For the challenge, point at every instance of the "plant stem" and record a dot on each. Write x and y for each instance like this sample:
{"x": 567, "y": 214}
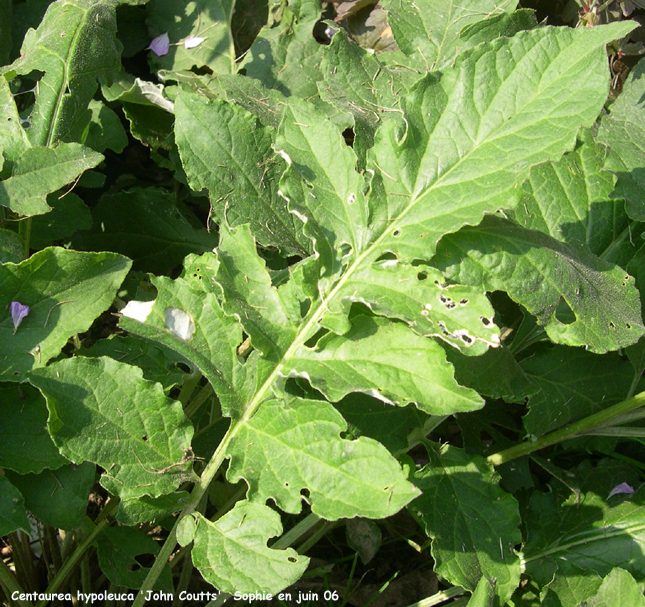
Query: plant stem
{"x": 24, "y": 231}
{"x": 316, "y": 535}
{"x": 74, "y": 558}
{"x": 297, "y": 532}
{"x": 161, "y": 560}
{"x": 10, "y": 584}
{"x": 200, "y": 398}
{"x": 190, "y": 383}
{"x": 571, "y": 431}
{"x": 439, "y": 597}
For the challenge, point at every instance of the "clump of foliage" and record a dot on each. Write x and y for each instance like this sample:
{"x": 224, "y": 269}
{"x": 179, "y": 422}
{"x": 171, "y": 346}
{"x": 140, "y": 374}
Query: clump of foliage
{"x": 389, "y": 266}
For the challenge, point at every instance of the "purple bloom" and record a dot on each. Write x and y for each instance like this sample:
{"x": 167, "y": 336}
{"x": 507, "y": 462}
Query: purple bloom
{"x": 160, "y": 45}
{"x": 18, "y": 312}
{"x": 622, "y": 488}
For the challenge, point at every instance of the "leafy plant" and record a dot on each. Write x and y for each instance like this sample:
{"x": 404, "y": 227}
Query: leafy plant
{"x": 348, "y": 253}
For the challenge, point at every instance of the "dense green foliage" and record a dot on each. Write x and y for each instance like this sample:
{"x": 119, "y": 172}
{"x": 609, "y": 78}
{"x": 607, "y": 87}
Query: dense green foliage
{"x": 354, "y": 275}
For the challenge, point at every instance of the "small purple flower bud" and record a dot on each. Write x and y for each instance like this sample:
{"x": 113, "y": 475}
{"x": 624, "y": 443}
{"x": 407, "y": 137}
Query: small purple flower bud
{"x": 622, "y": 488}
{"x": 18, "y": 312}
{"x": 160, "y": 45}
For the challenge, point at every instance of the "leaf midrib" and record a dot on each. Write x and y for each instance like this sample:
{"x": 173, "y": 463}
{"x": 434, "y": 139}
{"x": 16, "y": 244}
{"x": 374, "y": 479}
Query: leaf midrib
{"x": 601, "y": 534}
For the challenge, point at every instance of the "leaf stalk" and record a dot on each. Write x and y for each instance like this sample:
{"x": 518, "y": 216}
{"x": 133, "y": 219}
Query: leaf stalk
{"x": 573, "y": 430}
{"x": 10, "y": 584}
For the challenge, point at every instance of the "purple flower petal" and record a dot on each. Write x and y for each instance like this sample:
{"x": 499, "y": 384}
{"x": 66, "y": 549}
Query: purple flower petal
{"x": 18, "y": 312}
{"x": 160, "y": 45}
{"x": 622, "y": 488}
{"x": 193, "y": 42}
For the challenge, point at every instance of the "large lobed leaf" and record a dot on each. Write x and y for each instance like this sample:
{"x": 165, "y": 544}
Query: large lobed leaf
{"x": 599, "y": 304}
{"x": 474, "y": 525}
{"x": 571, "y": 200}
{"x": 298, "y": 440}
{"x": 573, "y": 383}
{"x": 25, "y": 444}
{"x": 472, "y": 133}
{"x": 232, "y": 553}
{"x": 245, "y": 185}
{"x": 104, "y": 412}
{"x": 431, "y": 28}
{"x": 74, "y": 45}
{"x": 623, "y": 131}
{"x": 591, "y": 531}
{"x": 39, "y": 171}
{"x": 65, "y": 291}
{"x": 207, "y": 19}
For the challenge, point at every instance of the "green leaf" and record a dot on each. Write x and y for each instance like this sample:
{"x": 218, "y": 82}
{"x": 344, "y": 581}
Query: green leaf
{"x": 342, "y": 478}
{"x": 499, "y": 24}
{"x": 321, "y": 179}
{"x": 264, "y": 103}
{"x": 363, "y": 536}
{"x": 245, "y": 185}
{"x": 285, "y": 55}
{"x": 11, "y": 247}
{"x": 74, "y": 45}
{"x": 68, "y": 215}
{"x": 542, "y": 273}
{"x": 150, "y": 125}
{"x": 623, "y": 131}
{"x": 105, "y": 130}
{"x": 591, "y": 531}
{"x": 431, "y": 27}
{"x": 25, "y": 444}
{"x": 339, "y": 364}
{"x": 573, "y": 384}
{"x": 468, "y": 140}
{"x": 232, "y": 554}
{"x": 495, "y": 374}
{"x": 105, "y": 412}
{"x": 128, "y": 89}
{"x": 202, "y": 18}
{"x": 357, "y": 82}
{"x": 385, "y": 360}
{"x": 269, "y": 319}
{"x": 474, "y": 525}
{"x": 117, "y": 552}
{"x": 212, "y": 348}
{"x": 570, "y": 587}
{"x": 40, "y": 171}
{"x": 617, "y": 589}
{"x": 146, "y": 225}
{"x": 57, "y": 497}
{"x": 571, "y": 200}
{"x": 158, "y": 363}
{"x": 12, "y": 509}
{"x": 13, "y": 138}
{"x": 418, "y": 295}
{"x": 390, "y": 426}
{"x": 65, "y": 292}
{"x": 150, "y": 509}
{"x": 484, "y": 594}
